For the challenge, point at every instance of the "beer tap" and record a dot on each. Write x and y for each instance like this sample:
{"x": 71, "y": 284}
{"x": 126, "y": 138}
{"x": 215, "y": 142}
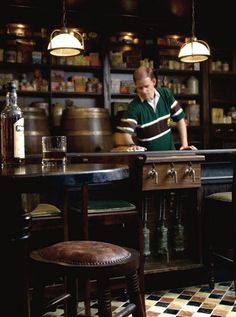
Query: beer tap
{"x": 162, "y": 230}
{"x": 190, "y": 171}
{"x": 178, "y": 237}
{"x": 146, "y": 231}
{"x": 171, "y": 172}
{"x": 152, "y": 173}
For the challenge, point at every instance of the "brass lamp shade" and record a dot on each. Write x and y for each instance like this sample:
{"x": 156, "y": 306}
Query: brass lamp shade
{"x": 194, "y": 51}
{"x": 65, "y": 43}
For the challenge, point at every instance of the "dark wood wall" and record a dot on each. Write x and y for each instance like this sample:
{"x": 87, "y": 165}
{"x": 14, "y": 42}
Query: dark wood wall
{"x": 214, "y": 19}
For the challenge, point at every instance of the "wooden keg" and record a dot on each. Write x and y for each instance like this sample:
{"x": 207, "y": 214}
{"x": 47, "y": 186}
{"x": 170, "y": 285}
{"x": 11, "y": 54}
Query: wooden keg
{"x": 36, "y": 126}
{"x": 87, "y": 129}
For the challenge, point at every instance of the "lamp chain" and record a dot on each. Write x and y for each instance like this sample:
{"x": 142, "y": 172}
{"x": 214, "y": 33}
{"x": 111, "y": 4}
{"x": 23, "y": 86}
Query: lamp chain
{"x": 193, "y": 19}
{"x": 64, "y": 13}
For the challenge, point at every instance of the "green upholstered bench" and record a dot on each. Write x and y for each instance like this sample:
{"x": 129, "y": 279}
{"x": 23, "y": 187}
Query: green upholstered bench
{"x": 105, "y": 206}
{"x": 44, "y": 210}
{"x": 224, "y": 197}
{"x": 46, "y": 217}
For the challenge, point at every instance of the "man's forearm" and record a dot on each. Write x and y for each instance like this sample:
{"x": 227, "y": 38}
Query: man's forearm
{"x": 181, "y": 125}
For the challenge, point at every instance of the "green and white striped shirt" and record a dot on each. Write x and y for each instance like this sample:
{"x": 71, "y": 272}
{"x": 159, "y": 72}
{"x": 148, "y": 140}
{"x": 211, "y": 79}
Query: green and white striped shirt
{"x": 151, "y": 127}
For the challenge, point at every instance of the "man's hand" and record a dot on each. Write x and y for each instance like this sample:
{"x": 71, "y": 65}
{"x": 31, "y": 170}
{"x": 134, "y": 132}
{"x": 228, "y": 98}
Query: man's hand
{"x": 135, "y": 148}
{"x": 189, "y": 147}
{"x": 128, "y": 148}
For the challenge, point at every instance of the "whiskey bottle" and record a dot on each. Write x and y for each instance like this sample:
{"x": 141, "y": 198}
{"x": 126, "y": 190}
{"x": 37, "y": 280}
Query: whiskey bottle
{"x": 12, "y": 129}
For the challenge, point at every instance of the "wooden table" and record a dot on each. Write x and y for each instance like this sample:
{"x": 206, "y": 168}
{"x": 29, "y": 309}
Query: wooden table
{"x": 16, "y": 222}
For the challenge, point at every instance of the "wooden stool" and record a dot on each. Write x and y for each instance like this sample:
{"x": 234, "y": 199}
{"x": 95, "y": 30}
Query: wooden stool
{"x": 88, "y": 260}
{"x": 219, "y": 231}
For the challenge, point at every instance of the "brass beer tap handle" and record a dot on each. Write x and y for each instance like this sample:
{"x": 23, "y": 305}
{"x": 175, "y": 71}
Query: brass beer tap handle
{"x": 171, "y": 172}
{"x": 190, "y": 171}
{"x": 152, "y": 173}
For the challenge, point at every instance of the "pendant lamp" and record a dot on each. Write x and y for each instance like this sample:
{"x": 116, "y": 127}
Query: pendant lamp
{"x": 194, "y": 50}
{"x": 64, "y": 42}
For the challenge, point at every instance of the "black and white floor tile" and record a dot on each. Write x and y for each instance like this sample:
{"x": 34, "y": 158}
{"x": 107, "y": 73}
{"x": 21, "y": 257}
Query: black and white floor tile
{"x": 193, "y": 301}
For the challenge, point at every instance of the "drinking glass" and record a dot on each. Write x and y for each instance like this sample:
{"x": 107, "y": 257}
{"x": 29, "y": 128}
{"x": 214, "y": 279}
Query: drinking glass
{"x": 54, "y": 150}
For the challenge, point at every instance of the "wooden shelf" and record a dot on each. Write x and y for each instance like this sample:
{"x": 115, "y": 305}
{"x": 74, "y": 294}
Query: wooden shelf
{"x": 77, "y": 68}
{"x": 66, "y": 94}
{"x": 154, "y": 266}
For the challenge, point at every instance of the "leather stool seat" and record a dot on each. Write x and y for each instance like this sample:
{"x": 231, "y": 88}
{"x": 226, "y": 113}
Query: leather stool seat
{"x": 86, "y": 260}
{"x": 83, "y": 254}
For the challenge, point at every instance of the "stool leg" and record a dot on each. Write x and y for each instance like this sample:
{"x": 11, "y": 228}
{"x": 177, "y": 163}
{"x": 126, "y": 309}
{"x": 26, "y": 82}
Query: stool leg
{"x": 72, "y": 289}
{"x": 135, "y": 295}
{"x": 37, "y": 300}
{"x": 87, "y": 301}
{"x": 104, "y": 298}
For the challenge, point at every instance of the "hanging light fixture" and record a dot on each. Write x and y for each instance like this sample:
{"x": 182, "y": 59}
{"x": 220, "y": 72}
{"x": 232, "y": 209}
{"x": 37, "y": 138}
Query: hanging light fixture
{"x": 64, "y": 42}
{"x": 194, "y": 50}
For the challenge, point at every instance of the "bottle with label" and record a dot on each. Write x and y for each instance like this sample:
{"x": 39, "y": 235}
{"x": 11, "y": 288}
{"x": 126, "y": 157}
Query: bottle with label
{"x": 12, "y": 129}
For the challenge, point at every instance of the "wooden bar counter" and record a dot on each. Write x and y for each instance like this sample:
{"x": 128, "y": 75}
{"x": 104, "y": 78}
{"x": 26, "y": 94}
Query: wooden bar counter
{"x": 181, "y": 179}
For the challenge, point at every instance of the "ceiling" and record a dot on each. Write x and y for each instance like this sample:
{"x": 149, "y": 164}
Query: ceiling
{"x": 214, "y": 20}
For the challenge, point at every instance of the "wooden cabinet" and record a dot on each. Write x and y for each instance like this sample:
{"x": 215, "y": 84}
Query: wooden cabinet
{"x": 103, "y": 77}
{"x": 172, "y": 213}
{"x": 47, "y": 79}
{"x": 222, "y": 98}
{"x": 23, "y": 58}
{"x": 126, "y": 52}
{"x": 186, "y": 82}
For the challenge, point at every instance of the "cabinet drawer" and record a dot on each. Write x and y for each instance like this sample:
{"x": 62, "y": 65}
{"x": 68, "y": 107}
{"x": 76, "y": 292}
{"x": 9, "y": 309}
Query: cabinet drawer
{"x": 224, "y": 130}
{"x": 171, "y": 175}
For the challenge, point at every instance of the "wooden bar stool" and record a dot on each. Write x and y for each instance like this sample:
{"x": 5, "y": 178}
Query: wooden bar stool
{"x": 87, "y": 260}
{"x": 113, "y": 205}
{"x": 220, "y": 231}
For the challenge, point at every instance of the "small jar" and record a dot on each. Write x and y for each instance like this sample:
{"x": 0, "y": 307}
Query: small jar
{"x": 225, "y": 67}
{"x": 218, "y": 66}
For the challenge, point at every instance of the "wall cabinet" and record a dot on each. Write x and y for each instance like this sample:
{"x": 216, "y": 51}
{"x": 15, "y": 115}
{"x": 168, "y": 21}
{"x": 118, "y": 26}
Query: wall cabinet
{"x": 222, "y": 98}
{"x": 55, "y": 82}
{"x": 102, "y": 77}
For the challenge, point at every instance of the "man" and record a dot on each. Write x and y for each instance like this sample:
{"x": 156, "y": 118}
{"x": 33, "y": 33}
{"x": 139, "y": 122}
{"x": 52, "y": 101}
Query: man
{"x": 148, "y": 117}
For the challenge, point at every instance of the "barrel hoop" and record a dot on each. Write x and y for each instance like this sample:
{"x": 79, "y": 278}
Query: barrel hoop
{"x": 87, "y": 116}
{"x": 87, "y": 132}
{"x": 34, "y": 117}
{"x": 35, "y": 133}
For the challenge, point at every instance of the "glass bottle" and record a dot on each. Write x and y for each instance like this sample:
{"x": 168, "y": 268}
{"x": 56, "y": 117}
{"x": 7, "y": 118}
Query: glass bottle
{"x": 12, "y": 129}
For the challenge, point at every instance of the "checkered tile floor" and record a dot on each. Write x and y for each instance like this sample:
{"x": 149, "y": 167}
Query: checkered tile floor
{"x": 194, "y": 301}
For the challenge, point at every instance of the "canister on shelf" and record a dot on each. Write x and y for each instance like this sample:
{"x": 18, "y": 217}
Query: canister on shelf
{"x": 18, "y": 29}
{"x": 10, "y": 56}
{"x": 225, "y": 67}
{"x": 232, "y": 112}
{"x": 192, "y": 113}
{"x": 1, "y": 54}
{"x": 193, "y": 85}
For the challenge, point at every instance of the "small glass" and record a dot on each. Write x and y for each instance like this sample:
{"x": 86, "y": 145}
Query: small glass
{"x": 54, "y": 150}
